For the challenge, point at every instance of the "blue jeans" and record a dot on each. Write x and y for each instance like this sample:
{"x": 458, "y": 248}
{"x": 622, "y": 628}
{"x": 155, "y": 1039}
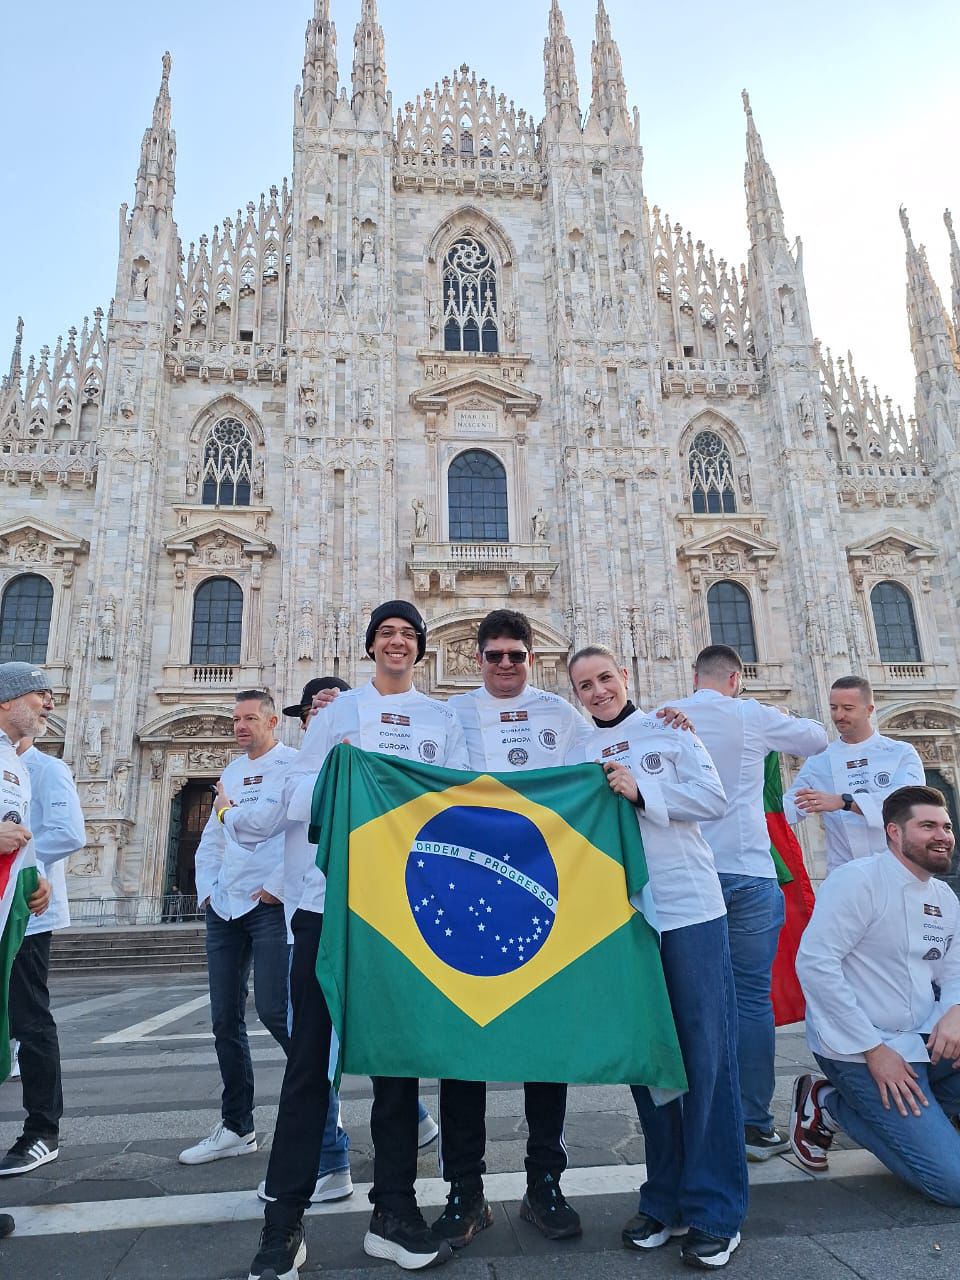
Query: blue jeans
{"x": 923, "y": 1150}
{"x": 258, "y": 938}
{"x": 335, "y": 1157}
{"x": 755, "y": 914}
{"x": 696, "y": 1164}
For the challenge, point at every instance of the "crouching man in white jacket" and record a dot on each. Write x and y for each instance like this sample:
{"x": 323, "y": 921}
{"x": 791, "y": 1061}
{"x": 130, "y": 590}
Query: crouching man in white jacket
{"x": 882, "y": 981}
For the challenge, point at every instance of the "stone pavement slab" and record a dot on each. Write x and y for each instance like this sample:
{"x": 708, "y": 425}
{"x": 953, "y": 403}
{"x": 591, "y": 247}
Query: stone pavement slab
{"x": 117, "y": 1205}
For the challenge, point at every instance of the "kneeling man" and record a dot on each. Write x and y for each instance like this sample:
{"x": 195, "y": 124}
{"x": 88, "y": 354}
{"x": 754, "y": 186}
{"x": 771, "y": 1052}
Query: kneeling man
{"x": 882, "y": 980}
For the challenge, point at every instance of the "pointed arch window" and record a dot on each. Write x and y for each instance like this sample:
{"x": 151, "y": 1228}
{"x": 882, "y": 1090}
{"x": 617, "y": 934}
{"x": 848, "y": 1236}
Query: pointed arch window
{"x": 227, "y": 461}
{"x": 711, "y": 475}
{"x": 896, "y": 626}
{"x": 477, "y": 497}
{"x": 25, "y": 619}
{"x": 731, "y": 619}
{"x": 217, "y": 622}
{"x": 470, "y": 318}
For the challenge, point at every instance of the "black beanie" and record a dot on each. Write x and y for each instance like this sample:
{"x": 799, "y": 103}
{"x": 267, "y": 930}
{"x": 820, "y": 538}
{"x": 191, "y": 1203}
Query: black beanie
{"x": 397, "y": 609}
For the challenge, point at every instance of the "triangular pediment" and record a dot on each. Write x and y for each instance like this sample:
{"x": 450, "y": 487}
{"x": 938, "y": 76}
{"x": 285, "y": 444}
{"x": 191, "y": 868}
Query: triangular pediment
{"x": 493, "y": 391}
{"x": 893, "y": 541}
{"x": 730, "y": 541}
{"x": 15, "y": 531}
{"x": 196, "y": 537}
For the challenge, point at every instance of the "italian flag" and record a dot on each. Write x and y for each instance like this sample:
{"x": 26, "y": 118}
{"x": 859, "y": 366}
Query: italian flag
{"x": 788, "y": 1001}
{"x": 18, "y": 883}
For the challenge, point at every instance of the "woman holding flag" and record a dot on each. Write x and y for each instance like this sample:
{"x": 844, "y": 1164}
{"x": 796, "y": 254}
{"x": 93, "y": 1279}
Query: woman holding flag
{"x": 696, "y": 1167}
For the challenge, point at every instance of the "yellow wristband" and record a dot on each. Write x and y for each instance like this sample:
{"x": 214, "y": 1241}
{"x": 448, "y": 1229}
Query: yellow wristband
{"x": 221, "y": 812}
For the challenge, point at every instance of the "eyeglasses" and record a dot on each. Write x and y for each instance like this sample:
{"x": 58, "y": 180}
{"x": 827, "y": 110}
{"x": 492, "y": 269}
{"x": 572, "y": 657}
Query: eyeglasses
{"x": 48, "y": 698}
{"x": 496, "y": 656}
{"x": 387, "y": 633}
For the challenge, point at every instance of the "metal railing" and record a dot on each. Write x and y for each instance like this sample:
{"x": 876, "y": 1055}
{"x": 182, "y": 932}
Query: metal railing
{"x": 167, "y": 908}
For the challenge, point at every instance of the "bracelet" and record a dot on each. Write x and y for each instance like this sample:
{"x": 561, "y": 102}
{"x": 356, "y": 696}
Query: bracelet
{"x": 221, "y": 812}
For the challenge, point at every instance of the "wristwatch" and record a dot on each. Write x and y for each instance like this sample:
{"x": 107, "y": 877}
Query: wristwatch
{"x": 847, "y": 799}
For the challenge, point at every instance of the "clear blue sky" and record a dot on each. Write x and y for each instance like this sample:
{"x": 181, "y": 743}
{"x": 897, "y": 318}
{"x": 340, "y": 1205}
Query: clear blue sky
{"x": 857, "y": 104}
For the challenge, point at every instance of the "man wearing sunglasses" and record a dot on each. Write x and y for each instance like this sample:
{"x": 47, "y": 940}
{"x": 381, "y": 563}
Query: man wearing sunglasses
{"x": 508, "y": 724}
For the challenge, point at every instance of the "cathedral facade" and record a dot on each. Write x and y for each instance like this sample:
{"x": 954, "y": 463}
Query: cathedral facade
{"x": 458, "y": 358}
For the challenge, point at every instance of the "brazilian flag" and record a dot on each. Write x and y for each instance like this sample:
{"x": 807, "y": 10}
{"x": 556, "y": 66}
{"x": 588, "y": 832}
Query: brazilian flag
{"x": 482, "y": 926}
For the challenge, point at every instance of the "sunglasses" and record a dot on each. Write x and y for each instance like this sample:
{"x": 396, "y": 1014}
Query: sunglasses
{"x": 496, "y": 656}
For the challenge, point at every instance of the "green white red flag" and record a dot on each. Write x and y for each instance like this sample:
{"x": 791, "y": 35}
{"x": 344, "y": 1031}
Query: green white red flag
{"x": 798, "y": 897}
{"x": 18, "y": 883}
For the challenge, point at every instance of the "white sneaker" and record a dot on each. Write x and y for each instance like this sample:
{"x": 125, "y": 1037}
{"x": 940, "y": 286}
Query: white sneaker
{"x": 222, "y": 1142}
{"x": 427, "y": 1130}
{"x": 330, "y": 1186}
{"x": 14, "y": 1059}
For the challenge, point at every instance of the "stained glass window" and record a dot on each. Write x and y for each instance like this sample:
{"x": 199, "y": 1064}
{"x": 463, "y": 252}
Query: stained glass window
{"x": 731, "y": 619}
{"x": 477, "y": 495}
{"x": 217, "y": 620}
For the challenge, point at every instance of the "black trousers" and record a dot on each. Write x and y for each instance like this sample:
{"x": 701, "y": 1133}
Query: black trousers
{"x": 393, "y": 1127}
{"x": 305, "y": 1093}
{"x": 463, "y": 1130}
{"x": 31, "y": 1022}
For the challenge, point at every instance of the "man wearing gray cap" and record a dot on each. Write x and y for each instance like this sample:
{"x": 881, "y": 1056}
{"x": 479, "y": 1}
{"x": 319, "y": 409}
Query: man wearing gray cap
{"x": 25, "y": 701}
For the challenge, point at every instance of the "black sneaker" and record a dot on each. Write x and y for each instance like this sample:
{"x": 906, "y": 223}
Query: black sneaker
{"x": 702, "y": 1250}
{"x": 546, "y": 1207}
{"x": 282, "y": 1250}
{"x": 761, "y": 1144}
{"x": 28, "y": 1153}
{"x": 407, "y": 1241}
{"x": 644, "y": 1232}
{"x": 467, "y": 1212}
{"x": 7, "y": 1225}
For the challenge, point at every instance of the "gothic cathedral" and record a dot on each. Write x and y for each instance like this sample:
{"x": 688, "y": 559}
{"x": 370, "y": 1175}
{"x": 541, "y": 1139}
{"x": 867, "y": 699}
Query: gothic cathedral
{"x": 458, "y": 357}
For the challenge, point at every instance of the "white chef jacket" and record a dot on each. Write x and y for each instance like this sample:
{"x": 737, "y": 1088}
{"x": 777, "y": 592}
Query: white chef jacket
{"x": 227, "y": 872}
{"x": 56, "y": 821}
{"x": 738, "y": 733}
{"x": 534, "y": 730}
{"x": 868, "y": 771}
{"x": 878, "y": 939}
{"x": 15, "y": 795}
{"x": 406, "y": 726}
{"x": 679, "y": 785}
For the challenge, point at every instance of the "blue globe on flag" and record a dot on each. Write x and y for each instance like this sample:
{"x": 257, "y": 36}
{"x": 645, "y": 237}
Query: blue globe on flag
{"x": 482, "y": 887}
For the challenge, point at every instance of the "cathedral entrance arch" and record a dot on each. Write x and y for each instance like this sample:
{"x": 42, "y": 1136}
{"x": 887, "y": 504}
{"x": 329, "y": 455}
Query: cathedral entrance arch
{"x": 189, "y": 811}
{"x": 185, "y": 752}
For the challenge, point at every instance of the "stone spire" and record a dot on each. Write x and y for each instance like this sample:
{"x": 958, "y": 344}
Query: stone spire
{"x": 369, "y": 63}
{"x": 764, "y": 213}
{"x": 16, "y": 358}
{"x": 158, "y": 154}
{"x": 320, "y": 60}
{"x": 938, "y": 383}
{"x": 608, "y": 100}
{"x": 954, "y": 275}
{"x": 560, "y": 91}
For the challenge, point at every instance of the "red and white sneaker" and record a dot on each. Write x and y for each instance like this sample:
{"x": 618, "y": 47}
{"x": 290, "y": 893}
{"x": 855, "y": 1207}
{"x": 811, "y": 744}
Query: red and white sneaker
{"x": 810, "y": 1137}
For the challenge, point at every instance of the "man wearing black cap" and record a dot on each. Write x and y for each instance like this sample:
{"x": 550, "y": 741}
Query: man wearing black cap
{"x": 301, "y": 710}
{"x": 387, "y": 715}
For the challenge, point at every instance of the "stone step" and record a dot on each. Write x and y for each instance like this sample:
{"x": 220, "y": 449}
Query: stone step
{"x": 160, "y": 949}
{"x": 187, "y": 965}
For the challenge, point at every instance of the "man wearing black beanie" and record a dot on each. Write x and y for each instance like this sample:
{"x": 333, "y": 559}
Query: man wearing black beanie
{"x": 389, "y": 716}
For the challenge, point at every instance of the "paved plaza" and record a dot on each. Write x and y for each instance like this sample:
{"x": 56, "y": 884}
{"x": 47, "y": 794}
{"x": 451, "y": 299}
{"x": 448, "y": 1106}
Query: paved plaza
{"x": 141, "y": 1083}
